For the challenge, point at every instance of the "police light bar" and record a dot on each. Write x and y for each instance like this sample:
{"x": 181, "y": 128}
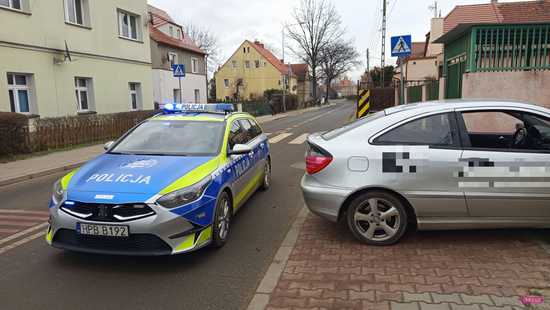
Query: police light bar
{"x": 197, "y": 107}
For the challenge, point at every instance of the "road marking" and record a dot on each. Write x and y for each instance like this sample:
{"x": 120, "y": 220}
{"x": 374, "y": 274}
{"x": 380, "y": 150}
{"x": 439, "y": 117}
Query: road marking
{"x": 22, "y": 241}
{"x": 8, "y": 231}
{"x": 23, "y": 218}
{"x": 23, "y": 224}
{"x": 46, "y": 213}
{"x": 301, "y": 139}
{"x": 280, "y": 137}
{"x": 23, "y": 232}
{"x": 267, "y": 133}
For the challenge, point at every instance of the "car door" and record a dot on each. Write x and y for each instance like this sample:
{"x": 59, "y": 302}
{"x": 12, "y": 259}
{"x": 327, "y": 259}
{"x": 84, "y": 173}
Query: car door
{"x": 237, "y": 135}
{"x": 503, "y": 177}
{"x": 420, "y": 159}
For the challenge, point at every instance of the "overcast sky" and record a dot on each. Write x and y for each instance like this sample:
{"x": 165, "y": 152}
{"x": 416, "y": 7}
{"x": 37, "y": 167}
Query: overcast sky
{"x": 233, "y": 21}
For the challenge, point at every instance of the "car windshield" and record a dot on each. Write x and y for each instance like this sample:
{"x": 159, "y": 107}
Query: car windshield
{"x": 173, "y": 137}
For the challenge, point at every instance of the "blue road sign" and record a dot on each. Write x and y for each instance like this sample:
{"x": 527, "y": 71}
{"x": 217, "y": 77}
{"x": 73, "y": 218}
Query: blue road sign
{"x": 401, "y": 46}
{"x": 178, "y": 70}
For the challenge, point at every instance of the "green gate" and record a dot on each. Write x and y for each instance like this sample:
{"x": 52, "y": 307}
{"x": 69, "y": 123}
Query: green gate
{"x": 414, "y": 94}
{"x": 455, "y": 70}
{"x": 433, "y": 90}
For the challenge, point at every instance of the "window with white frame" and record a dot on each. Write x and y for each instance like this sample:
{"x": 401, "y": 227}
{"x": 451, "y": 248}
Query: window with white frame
{"x": 179, "y": 34}
{"x": 135, "y": 96}
{"x": 83, "y": 94}
{"x": 234, "y": 64}
{"x": 77, "y": 12}
{"x": 129, "y": 25}
{"x": 194, "y": 65}
{"x": 171, "y": 30}
{"x": 12, "y": 4}
{"x": 226, "y": 83}
{"x": 19, "y": 92}
{"x": 247, "y": 64}
{"x": 173, "y": 59}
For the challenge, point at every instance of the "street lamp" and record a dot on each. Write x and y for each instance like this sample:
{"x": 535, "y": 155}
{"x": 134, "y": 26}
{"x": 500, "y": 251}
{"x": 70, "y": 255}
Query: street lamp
{"x": 290, "y": 68}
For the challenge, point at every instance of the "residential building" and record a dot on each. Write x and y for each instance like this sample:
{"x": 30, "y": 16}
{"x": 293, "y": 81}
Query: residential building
{"x": 304, "y": 87}
{"x": 498, "y": 50}
{"x": 68, "y": 57}
{"x": 253, "y": 69}
{"x": 422, "y": 69}
{"x": 171, "y": 45}
{"x": 345, "y": 87}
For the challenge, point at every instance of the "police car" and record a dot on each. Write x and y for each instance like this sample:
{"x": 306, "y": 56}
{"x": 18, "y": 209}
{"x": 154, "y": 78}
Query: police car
{"x": 169, "y": 185}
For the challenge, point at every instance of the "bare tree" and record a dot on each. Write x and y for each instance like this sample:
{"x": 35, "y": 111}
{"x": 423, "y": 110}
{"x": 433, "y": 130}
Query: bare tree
{"x": 206, "y": 41}
{"x": 336, "y": 59}
{"x": 317, "y": 25}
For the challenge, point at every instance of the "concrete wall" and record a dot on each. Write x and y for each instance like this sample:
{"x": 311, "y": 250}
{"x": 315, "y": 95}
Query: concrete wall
{"x": 164, "y": 84}
{"x": 528, "y": 86}
{"x": 97, "y": 52}
{"x": 420, "y": 69}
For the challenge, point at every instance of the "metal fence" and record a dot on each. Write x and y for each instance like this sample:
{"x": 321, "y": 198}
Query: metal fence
{"x": 510, "y": 47}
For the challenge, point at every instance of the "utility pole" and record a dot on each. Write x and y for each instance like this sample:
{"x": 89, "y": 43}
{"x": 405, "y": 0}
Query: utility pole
{"x": 383, "y": 60}
{"x": 284, "y": 75}
{"x": 368, "y": 61}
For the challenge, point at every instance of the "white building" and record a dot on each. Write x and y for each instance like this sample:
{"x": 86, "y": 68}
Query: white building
{"x": 169, "y": 46}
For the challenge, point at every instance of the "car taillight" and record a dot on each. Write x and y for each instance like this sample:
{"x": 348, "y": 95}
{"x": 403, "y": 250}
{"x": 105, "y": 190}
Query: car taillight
{"x": 317, "y": 159}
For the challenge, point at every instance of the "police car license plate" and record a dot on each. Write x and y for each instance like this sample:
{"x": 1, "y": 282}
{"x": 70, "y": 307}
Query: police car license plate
{"x": 103, "y": 230}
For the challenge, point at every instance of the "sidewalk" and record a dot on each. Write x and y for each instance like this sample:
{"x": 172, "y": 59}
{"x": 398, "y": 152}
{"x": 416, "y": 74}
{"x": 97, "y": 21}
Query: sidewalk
{"x": 321, "y": 266}
{"x": 21, "y": 170}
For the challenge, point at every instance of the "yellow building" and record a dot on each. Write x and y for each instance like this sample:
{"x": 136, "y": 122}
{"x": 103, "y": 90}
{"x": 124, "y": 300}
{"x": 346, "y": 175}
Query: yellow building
{"x": 251, "y": 70}
{"x": 68, "y": 57}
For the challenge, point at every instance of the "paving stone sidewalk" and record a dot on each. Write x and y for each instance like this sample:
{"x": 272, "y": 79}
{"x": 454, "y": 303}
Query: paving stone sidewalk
{"x": 458, "y": 270}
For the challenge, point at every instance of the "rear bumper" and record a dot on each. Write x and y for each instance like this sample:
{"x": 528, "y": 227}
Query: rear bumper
{"x": 322, "y": 200}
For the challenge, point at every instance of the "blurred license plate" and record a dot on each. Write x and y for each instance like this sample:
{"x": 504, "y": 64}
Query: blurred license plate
{"x": 103, "y": 230}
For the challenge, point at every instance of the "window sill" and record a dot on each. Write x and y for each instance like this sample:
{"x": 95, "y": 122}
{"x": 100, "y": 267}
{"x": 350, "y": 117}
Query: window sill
{"x": 78, "y": 25}
{"x": 130, "y": 39}
{"x": 14, "y": 10}
{"x": 86, "y": 112}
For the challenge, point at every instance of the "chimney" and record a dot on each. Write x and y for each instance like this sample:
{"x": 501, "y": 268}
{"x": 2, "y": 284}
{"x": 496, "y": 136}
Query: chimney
{"x": 494, "y": 1}
{"x": 260, "y": 44}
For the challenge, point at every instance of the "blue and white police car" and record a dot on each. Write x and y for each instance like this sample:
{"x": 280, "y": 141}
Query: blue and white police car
{"x": 169, "y": 185}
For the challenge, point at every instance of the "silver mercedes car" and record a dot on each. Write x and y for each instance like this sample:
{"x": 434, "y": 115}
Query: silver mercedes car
{"x": 439, "y": 165}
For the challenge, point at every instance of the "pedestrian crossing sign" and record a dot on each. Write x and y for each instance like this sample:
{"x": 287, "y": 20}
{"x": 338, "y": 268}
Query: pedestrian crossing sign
{"x": 401, "y": 46}
{"x": 178, "y": 70}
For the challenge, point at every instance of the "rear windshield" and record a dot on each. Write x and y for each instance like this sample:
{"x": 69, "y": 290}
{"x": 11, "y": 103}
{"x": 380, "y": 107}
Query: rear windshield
{"x": 340, "y": 131}
{"x": 173, "y": 137}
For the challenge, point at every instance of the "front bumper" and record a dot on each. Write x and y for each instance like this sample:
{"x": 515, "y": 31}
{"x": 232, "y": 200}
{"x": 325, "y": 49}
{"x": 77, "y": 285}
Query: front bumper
{"x": 164, "y": 233}
{"x": 323, "y": 200}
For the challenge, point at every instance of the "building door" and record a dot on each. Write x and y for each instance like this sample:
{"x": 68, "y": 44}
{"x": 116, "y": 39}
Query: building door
{"x": 197, "y": 96}
{"x": 177, "y": 95}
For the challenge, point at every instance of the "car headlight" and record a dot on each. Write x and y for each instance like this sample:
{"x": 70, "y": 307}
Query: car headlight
{"x": 184, "y": 196}
{"x": 58, "y": 192}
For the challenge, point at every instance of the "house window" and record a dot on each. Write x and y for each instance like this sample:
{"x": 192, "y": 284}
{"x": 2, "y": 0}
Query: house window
{"x": 14, "y": 4}
{"x": 234, "y": 64}
{"x": 19, "y": 92}
{"x": 179, "y": 34}
{"x": 172, "y": 57}
{"x": 248, "y": 49}
{"x": 247, "y": 64}
{"x": 128, "y": 25}
{"x": 244, "y": 49}
{"x": 177, "y": 95}
{"x": 135, "y": 96}
{"x": 76, "y": 12}
{"x": 257, "y": 63}
{"x": 197, "y": 96}
{"x": 82, "y": 92}
{"x": 194, "y": 65}
{"x": 171, "y": 30}
{"x": 226, "y": 83}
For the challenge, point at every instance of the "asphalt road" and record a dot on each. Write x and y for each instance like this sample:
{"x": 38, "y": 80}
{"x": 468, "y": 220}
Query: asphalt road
{"x": 36, "y": 276}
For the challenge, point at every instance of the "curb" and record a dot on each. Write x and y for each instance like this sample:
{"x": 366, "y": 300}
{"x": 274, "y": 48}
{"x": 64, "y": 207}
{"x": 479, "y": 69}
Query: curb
{"x": 263, "y": 292}
{"x": 42, "y": 173}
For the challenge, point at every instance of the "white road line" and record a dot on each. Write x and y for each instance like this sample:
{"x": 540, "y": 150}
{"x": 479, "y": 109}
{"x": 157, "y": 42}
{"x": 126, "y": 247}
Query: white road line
{"x": 22, "y": 241}
{"x": 267, "y": 133}
{"x": 301, "y": 139}
{"x": 45, "y": 213}
{"x": 23, "y": 218}
{"x": 280, "y": 137}
{"x": 23, "y": 232}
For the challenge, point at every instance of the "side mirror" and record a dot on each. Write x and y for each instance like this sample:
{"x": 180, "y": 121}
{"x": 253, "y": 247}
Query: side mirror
{"x": 239, "y": 149}
{"x": 108, "y": 145}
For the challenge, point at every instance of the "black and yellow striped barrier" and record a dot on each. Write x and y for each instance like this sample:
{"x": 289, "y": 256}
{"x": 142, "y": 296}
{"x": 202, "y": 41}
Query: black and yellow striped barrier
{"x": 363, "y": 102}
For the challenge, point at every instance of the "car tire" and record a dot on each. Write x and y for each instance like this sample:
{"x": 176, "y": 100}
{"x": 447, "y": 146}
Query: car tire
{"x": 222, "y": 220}
{"x": 377, "y": 218}
{"x": 266, "y": 181}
